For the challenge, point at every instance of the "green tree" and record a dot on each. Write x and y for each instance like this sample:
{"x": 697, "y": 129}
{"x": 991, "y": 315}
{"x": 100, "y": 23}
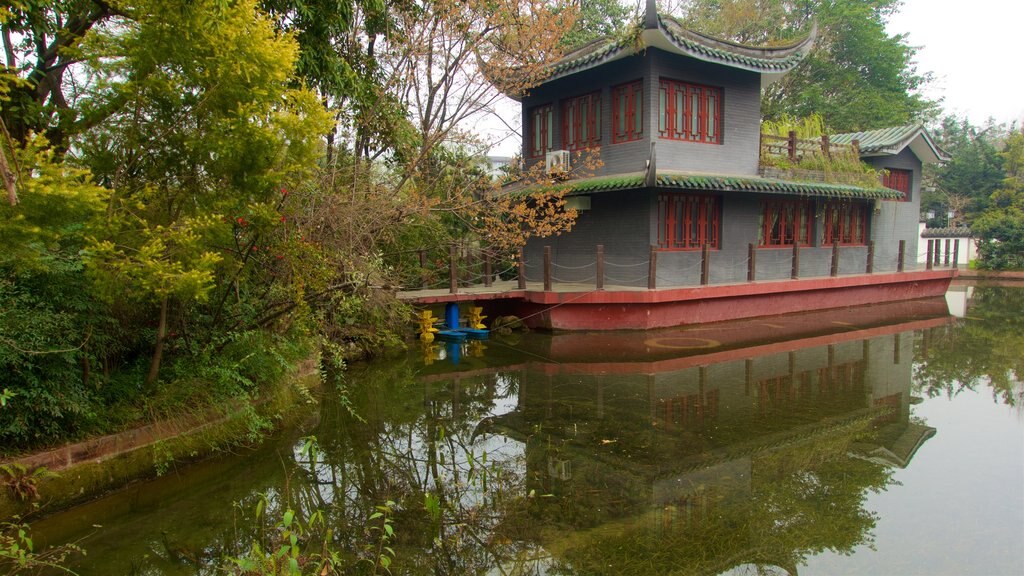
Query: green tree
{"x": 975, "y": 169}
{"x": 857, "y": 77}
{"x": 1000, "y": 229}
{"x": 42, "y": 45}
{"x": 597, "y": 19}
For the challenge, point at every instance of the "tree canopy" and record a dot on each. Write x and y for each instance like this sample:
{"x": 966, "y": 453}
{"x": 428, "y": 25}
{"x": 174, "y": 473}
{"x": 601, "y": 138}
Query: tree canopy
{"x": 199, "y": 193}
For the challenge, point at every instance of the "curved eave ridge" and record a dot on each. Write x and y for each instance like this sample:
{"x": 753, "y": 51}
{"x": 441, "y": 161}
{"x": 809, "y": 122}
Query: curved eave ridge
{"x": 675, "y": 37}
{"x": 589, "y": 55}
{"x": 782, "y": 59}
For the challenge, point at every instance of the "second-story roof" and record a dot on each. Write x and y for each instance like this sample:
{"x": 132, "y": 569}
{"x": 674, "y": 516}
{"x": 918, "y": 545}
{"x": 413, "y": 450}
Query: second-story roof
{"x": 667, "y": 33}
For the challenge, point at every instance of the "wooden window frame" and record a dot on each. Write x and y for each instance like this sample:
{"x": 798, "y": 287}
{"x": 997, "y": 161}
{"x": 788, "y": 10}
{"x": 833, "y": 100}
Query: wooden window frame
{"x": 790, "y": 230}
{"x": 631, "y": 95}
{"x": 688, "y": 221}
{"x": 899, "y": 179}
{"x": 546, "y": 140}
{"x": 845, "y": 222}
{"x": 577, "y": 135}
{"x": 676, "y": 124}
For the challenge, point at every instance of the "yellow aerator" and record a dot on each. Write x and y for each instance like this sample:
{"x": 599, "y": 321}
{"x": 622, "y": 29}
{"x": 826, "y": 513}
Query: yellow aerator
{"x": 476, "y": 318}
{"x": 425, "y": 325}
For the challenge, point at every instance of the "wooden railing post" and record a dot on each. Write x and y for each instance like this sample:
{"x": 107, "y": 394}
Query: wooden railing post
{"x": 423, "y": 267}
{"x": 487, "y": 270}
{"x": 705, "y": 265}
{"x": 856, "y": 148}
{"x": 547, "y": 268}
{"x": 938, "y": 252}
{"x": 870, "y": 266}
{"x": 751, "y": 262}
{"x": 826, "y": 146}
{"x": 453, "y": 278}
{"x": 652, "y": 269}
{"x": 599, "y": 273}
{"x": 835, "y": 260}
{"x": 792, "y": 145}
{"x": 902, "y": 257}
{"x": 945, "y": 260}
{"x": 956, "y": 253}
{"x": 796, "y": 261}
{"x": 522, "y": 268}
{"x": 929, "y": 259}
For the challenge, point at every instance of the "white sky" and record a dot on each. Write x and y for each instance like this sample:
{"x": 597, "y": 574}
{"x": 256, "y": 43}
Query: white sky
{"x": 972, "y": 49}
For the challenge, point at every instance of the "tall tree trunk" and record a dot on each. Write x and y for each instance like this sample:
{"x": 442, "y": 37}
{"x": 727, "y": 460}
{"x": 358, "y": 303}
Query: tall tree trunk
{"x": 5, "y": 168}
{"x": 161, "y": 334}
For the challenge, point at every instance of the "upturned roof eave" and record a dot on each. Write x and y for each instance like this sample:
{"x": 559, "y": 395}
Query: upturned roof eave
{"x": 669, "y": 35}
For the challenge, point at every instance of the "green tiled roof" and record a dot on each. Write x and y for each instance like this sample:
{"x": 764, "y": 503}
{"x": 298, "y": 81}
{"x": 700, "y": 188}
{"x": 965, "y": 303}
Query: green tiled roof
{"x": 768, "y": 59}
{"x": 889, "y": 140}
{"x": 687, "y": 42}
{"x": 772, "y": 186}
{"x": 961, "y": 232}
{"x": 721, "y": 183}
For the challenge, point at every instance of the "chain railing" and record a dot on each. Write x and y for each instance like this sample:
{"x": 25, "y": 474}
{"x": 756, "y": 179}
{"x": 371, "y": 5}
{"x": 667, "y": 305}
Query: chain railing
{"x": 468, "y": 267}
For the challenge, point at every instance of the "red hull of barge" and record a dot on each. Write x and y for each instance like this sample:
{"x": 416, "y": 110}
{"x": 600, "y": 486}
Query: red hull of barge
{"x": 647, "y": 309}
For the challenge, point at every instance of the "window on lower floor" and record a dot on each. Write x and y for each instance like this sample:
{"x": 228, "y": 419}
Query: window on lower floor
{"x": 689, "y": 112}
{"x": 628, "y": 112}
{"x": 899, "y": 180}
{"x": 581, "y": 122}
{"x": 784, "y": 222}
{"x": 845, "y": 223}
{"x": 542, "y": 136}
{"x": 688, "y": 221}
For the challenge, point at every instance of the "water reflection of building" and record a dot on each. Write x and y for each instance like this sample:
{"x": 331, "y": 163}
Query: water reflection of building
{"x": 719, "y": 448}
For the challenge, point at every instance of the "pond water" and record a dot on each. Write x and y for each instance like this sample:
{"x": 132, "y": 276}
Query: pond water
{"x": 878, "y": 440}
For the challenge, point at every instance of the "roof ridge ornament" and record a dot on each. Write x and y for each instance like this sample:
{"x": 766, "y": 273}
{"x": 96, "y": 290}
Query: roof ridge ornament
{"x": 651, "y": 15}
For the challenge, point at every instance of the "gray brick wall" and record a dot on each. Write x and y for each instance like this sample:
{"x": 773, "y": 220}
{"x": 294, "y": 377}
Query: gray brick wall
{"x": 626, "y": 223}
{"x": 897, "y": 221}
{"x": 738, "y": 152}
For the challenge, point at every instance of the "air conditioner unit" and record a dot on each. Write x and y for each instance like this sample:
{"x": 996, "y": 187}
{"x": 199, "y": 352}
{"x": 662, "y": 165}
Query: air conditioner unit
{"x": 557, "y": 162}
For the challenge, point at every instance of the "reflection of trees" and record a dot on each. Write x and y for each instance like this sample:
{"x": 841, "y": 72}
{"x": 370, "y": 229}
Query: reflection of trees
{"x": 986, "y": 348}
{"x": 414, "y": 443}
{"x": 591, "y": 474}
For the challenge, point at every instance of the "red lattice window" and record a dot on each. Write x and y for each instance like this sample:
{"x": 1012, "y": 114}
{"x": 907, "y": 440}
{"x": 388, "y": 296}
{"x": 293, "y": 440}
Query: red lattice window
{"x": 688, "y": 221}
{"x": 845, "y": 223}
{"x": 581, "y": 122}
{"x": 784, "y": 222}
{"x": 689, "y": 112}
{"x": 627, "y": 112}
{"x": 899, "y": 180}
{"x": 542, "y": 137}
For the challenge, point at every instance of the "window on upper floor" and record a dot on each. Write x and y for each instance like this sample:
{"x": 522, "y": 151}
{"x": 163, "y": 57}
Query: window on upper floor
{"x": 845, "y": 223}
{"x": 581, "y": 122}
{"x": 627, "y": 112}
{"x": 784, "y": 222}
{"x": 899, "y": 180}
{"x": 542, "y": 134}
{"x": 688, "y": 221}
{"x": 689, "y": 112}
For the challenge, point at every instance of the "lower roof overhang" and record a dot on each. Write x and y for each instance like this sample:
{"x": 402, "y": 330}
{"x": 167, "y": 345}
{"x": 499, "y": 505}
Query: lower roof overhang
{"x": 689, "y": 181}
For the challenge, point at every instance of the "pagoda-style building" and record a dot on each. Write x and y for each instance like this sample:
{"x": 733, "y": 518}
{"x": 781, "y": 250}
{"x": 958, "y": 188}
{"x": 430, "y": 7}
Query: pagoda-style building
{"x": 675, "y": 118}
